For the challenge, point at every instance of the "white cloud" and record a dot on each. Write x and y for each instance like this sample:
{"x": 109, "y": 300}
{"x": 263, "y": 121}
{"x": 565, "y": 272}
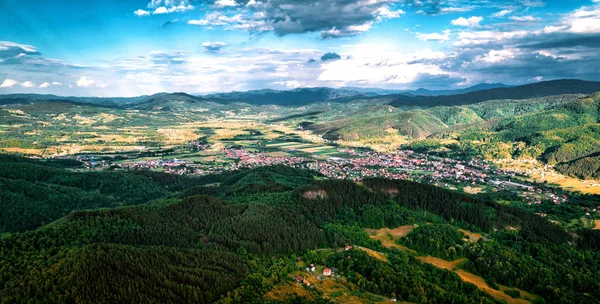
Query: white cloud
{"x": 290, "y": 84}
{"x": 584, "y": 20}
{"x": 374, "y": 65}
{"x": 27, "y": 84}
{"x": 495, "y": 56}
{"x": 524, "y": 18}
{"x": 468, "y": 22}
{"x": 44, "y": 85}
{"x": 84, "y": 82}
{"x": 444, "y": 36}
{"x": 160, "y": 10}
{"x": 56, "y": 83}
{"x": 225, "y": 3}
{"x": 501, "y": 13}
{"x": 141, "y": 12}
{"x": 385, "y": 12}
{"x": 8, "y": 83}
{"x": 159, "y": 7}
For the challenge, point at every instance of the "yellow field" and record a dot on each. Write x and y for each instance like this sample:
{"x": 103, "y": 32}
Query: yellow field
{"x": 473, "y": 190}
{"x": 340, "y": 287}
{"x": 24, "y": 151}
{"x": 565, "y": 182}
{"x": 388, "y": 237}
{"x": 596, "y": 224}
{"x": 376, "y": 254}
{"x": 473, "y": 237}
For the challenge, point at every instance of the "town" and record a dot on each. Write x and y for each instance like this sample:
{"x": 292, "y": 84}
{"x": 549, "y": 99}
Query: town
{"x": 472, "y": 176}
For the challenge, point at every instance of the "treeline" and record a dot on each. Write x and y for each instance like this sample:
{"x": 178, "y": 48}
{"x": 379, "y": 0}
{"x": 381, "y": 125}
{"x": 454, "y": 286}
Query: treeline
{"x": 35, "y": 193}
{"x": 473, "y": 213}
{"x": 108, "y": 273}
{"x": 405, "y": 278}
{"x": 560, "y": 273}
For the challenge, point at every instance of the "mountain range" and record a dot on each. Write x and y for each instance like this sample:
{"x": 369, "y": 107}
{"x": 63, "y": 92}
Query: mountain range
{"x": 306, "y": 96}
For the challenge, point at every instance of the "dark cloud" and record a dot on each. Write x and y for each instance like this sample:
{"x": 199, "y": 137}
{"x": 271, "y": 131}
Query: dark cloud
{"x": 565, "y": 41}
{"x": 331, "y": 18}
{"x": 331, "y": 56}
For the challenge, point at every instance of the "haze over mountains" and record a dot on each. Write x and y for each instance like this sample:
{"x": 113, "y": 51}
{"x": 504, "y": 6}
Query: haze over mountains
{"x": 306, "y": 96}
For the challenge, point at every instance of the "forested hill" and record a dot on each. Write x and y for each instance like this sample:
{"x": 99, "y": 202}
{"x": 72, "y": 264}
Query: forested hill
{"x": 237, "y": 238}
{"x": 534, "y": 90}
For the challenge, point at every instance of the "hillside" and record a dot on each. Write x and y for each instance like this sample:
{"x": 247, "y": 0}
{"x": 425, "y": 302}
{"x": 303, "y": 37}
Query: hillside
{"x": 253, "y": 234}
{"x": 535, "y": 90}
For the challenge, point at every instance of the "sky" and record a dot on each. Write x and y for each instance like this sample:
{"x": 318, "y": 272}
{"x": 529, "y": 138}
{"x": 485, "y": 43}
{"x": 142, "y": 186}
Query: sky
{"x": 142, "y": 47}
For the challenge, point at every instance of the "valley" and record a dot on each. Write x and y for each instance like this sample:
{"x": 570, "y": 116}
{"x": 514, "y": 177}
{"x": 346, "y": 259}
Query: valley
{"x": 432, "y": 202}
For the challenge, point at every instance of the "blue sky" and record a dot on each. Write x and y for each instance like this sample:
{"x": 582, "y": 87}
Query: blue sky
{"x": 128, "y": 48}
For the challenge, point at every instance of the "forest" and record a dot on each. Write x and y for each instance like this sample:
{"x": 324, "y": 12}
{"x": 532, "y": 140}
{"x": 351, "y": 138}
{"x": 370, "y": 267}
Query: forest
{"x": 151, "y": 237}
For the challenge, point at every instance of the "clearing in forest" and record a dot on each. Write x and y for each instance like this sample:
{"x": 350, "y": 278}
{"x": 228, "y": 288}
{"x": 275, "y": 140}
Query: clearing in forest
{"x": 388, "y": 237}
{"x": 478, "y": 281}
{"x": 473, "y": 236}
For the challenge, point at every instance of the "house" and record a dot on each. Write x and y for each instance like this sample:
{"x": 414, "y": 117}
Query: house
{"x": 327, "y": 272}
{"x": 299, "y": 279}
{"x": 348, "y": 247}
{"x": 306, "y": 282}
{"x": 311, "y": 268}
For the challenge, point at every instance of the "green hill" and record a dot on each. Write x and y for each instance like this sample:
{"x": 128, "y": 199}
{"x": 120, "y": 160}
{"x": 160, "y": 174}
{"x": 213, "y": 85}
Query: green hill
{"x": 241, "y": 242}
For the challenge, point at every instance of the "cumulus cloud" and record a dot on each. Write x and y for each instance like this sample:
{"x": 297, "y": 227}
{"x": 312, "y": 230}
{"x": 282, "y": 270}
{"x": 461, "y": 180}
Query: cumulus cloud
{"x": 159, "y": 7}
{"x": 44, "y": 85}
{"x": 8, "y": 83}
{"x": 225, "y": 3}
{"x": 27, "y": 84}
{"x": 331, "y": 18}
{"x": 440, "y": 37}
{"x": 214, "y": 46}
{"x": 84, "y": 82}
{"x": 467, "y": 22}
{"x": 141, "y": 13}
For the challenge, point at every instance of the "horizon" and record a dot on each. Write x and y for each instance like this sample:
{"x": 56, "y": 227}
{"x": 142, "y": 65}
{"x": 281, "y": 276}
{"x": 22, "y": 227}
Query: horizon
{"x": 455, "y": 91}
{"x": 136, "y": 48}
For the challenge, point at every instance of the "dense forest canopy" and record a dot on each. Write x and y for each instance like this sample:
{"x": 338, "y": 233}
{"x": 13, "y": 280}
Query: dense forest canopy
{"x": 149, "y": 237}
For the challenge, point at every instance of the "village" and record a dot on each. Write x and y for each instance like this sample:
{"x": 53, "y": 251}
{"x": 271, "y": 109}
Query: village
{"x": 473, "y": 176}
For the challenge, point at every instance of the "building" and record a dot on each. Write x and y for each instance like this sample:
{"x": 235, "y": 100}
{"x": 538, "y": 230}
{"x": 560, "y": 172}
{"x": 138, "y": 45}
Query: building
{"x": 299, "y": 279}
{"x": 327, "y": 272}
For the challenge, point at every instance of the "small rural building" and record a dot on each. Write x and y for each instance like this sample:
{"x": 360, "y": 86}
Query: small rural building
{"x": 327, "y": 272}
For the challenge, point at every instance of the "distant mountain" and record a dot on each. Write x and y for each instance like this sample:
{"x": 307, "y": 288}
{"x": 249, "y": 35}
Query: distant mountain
{"x": 306, "y": 96}
{"x": 39, "y": 98}
{"x": 167, "y": 101}
{"x": 296, "y": 97}
{"x": 426, "y": 92}
{"x": 534, "y": 90}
